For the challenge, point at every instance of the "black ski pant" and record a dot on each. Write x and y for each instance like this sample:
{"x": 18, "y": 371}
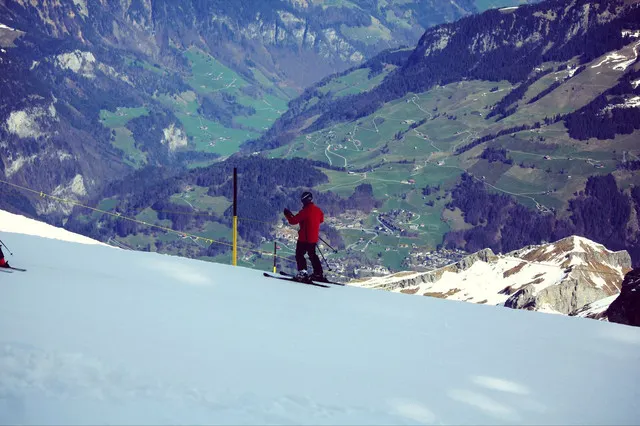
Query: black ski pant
{"x": 303, "y": 248}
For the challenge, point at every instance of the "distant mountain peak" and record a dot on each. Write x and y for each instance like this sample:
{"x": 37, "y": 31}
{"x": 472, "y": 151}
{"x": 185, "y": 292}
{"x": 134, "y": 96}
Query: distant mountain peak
{"x": 560, "y": 277}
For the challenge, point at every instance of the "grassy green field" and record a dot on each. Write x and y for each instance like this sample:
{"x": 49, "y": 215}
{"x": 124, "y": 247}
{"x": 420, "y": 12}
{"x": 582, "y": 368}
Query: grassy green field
{"x": 554, "y": 165}
{"x": 149, "y": 215}
{"x": 208, "y": 76}
{"x": 121, "y": 117}
{"x": 372, "y": 34}
{"x": 123, "y": 138}
{"x": 198, "y": 199}
{"x": 355, "y": 82}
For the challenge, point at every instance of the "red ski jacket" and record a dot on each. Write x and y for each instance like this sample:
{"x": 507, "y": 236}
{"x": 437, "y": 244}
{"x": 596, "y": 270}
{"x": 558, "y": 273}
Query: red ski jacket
{"x": 309, "y": 218}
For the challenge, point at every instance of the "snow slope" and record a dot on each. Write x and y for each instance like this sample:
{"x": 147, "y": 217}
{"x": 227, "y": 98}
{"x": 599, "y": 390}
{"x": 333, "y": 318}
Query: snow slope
{"x": 10, "y": 222}
{"x": 93, "y": 335}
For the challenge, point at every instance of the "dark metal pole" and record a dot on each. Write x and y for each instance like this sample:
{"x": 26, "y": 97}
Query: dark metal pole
{"x": 334, "y": 250}
{"x": 323, "y": 258}
{"x": 275, "y": 247}
{"x": 5, "y": 246}
{"x": 235, "y": 216}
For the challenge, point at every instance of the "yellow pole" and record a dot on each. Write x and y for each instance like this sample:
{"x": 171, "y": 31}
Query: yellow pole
{"x": 235, "y": 217}
{"x": 235, "y": 240}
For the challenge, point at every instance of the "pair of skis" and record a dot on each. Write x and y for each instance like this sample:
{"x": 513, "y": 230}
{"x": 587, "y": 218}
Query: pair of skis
{"x": 288, "y": 277}
{"x": 10, "y": 269}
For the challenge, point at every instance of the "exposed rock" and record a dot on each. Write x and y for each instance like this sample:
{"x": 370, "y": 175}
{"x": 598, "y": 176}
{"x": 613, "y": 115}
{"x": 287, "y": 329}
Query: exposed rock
{"x": 596, "y": 310}
{"x": 28, "y": 123}
{"x": 626, "y": 308}
{"x": 174, "y": 137}
{"x": 79, "y": 62}
{"x": 560, "y": 277}
{"x": 564, "y": 297}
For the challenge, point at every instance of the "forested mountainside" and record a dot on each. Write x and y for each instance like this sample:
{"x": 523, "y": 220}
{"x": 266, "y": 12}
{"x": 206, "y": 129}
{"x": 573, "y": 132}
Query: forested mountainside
{"x": 496, "y": 45}
{"x": 93, "y": 91}
{"x": 519, "y": 126}
{"x": 471, "y": 139}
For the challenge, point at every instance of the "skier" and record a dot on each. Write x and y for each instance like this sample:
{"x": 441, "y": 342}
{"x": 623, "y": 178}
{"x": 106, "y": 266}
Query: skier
{"x": 309, "y": 218}
{"x": 3, "y": 263}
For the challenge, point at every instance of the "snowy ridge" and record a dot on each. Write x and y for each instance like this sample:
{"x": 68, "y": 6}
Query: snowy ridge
{"x": 620, "y": 60}
{"x": 487, "y": 278}
{"x": 167, "y": 340}
{"x": 10, "y": 222}
{"x": 4, "y": 27}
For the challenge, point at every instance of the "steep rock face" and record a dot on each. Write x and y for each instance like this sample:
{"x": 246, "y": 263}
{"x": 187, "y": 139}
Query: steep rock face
{"x": 564, "y": 297}
{"x": 588, "y": 269}
{"x": 560, "y": 277}
{"x": 625, "y": 309}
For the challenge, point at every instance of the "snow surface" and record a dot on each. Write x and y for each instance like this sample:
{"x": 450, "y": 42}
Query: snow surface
{"x": 597, "y": 307}
{"x": 10, "y": 222}
{"x": 629, "y": 103}
{"x": 3, "y": 26}
{"x": 93, "y": 335}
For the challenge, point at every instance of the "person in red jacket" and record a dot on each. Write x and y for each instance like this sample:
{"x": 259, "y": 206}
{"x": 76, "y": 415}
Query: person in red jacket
{"x": 3, "y": 263}
{"x": 309, "y": 218}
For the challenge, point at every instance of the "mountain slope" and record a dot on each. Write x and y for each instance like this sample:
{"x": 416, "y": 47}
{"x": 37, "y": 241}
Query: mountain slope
{"x": 160, "y": 339}
{"x": 560, "y": 277}
{"x": 95, "y": 90}
{"x": 499, "y": 130}
{"x": 495, "y": 45}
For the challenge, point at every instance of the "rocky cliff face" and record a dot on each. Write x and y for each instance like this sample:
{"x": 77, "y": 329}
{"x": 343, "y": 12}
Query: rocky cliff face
{"x": 625, "y": 309}
{"x": 591, "y": 273}
{"x": 560, "y": 277}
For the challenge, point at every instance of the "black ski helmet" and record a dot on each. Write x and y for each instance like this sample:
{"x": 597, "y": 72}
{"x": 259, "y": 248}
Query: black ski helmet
{"x": 306, "y": 197}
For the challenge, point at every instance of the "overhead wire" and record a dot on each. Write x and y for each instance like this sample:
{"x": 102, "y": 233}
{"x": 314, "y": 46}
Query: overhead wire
{"x": 118, "y": 215}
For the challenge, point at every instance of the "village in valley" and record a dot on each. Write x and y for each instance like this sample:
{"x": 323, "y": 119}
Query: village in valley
{"x": 362, "y": 238}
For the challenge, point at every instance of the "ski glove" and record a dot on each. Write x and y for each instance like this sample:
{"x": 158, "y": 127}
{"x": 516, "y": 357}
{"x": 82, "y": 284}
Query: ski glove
{"x": 287, "y": 212}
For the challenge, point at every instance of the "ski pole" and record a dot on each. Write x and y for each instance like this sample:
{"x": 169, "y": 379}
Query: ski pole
{"x": 328, "y": 245}
{"x": 323, "y": 258}
{"x": 5, "y": 246}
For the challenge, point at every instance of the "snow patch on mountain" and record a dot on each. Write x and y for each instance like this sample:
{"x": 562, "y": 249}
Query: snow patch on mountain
{"x": 595, "y": 310}
{"x": 619, "y": 61}
{"x": 6, "y": 27}
{"x": 628, "y": 103}
{"x": 558, "y": 277}
{"x": 82, "y": 4}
